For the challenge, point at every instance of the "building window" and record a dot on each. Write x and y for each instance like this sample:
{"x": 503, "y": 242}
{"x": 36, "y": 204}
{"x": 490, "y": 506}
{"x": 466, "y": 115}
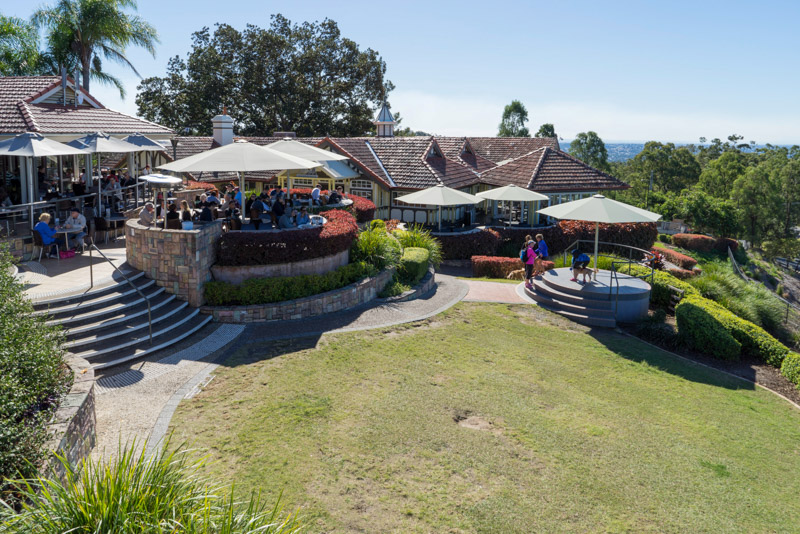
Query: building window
{"x": 309, "y": 182}
{"x": 361, "y": 184}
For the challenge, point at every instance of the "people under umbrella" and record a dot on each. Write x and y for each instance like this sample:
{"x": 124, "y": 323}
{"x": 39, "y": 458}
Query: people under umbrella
{"x": 580, "y": 266}
{"x": 48, "y": 234}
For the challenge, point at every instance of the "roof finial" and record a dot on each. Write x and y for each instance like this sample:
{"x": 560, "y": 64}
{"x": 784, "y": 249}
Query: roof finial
{"x": 224, "y": 109}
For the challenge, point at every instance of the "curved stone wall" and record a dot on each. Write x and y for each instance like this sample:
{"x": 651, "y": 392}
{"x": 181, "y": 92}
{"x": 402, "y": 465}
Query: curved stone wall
{"x": 240, "y": 273}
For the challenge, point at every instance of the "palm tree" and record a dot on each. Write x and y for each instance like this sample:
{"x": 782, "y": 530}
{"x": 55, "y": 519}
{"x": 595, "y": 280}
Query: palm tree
{"x": 19, "y": 47}
{"x": 79, "y": 32}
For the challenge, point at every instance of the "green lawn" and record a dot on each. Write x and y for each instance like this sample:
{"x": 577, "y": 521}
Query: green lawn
{"x": 577, "y": 431}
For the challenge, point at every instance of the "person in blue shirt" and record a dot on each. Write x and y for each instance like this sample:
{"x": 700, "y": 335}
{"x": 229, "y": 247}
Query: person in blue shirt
{"x": 580, "y": 266}
{"x": 48, "y": 234}
{"x": 543, "y": 256}
{"x": 302, "y": 217}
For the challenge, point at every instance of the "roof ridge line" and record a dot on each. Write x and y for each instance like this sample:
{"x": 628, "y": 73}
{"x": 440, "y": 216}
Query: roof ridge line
{"x": 392, "y": 183}
{"x": 537, "y": 168}
{"x": 30, "y": 122}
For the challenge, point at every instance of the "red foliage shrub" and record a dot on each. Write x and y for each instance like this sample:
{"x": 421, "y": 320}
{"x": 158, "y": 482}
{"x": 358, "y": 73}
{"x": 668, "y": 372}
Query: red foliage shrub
{"x": 265, "y": 248}
{"x": 722, "y": 243}
{"x": 494, "y": 266}
{"x": 463, "y": 246}
{"x": 192, "y": 184}
{"x": 701, "y": 243}
{"x": 681, "y": 260}
{"x": 681, "y": 274}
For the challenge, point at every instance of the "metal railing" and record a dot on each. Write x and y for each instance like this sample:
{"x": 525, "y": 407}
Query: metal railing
{"x": 738, "y": 270}
{"x": 92, "y": 246}
{"x": 645, "y": 259}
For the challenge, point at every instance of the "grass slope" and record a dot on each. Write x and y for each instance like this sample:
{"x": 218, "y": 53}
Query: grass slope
{"x": 581, "y": 431}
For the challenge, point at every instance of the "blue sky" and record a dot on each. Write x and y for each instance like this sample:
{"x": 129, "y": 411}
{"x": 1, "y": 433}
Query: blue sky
{"x": 631, "y": 71}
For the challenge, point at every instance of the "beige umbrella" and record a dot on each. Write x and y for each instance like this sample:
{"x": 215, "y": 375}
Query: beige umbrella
{"x": 302, "y": 150}
{"x": 599, "y": 209}
{"x": 512, "y": 193}
{"x": 440, "y": 195}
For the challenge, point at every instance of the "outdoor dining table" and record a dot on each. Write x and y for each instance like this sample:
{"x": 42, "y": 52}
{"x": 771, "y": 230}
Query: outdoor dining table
{"x": 115, "y": 218}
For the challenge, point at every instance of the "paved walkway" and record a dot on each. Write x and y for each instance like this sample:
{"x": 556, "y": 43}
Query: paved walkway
{"x": 480, "y": 291}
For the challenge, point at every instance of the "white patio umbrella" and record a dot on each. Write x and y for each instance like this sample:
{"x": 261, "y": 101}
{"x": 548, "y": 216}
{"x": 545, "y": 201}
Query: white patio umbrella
{"x": 145, "y": 144}
{"x": 440, "y": 195}
{"x": 100, "y": 143}
{"x": 302, "y": 150}
{"x": 599, "y": 209}
{"x": 162, "y": 181}
{"x": 512, "y": 193}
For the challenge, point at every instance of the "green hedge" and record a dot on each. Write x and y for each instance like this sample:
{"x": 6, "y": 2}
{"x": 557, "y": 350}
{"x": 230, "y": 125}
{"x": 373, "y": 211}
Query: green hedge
{"x": 791, "y": 368}
{"x": 754, "y": 340}
{"x": 413, "y": 265}
{"x": 700, "y": 329}
{"x": 662, "y": 283}
{"x": 267, "y": 290}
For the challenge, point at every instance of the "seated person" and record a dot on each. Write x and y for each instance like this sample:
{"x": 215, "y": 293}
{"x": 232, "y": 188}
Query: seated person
{"x": 256, "y": 210}
{"x": 186, "y": 213}
{"x": 76, "y": 221}
{"x": 147, "y": 214}
{"x": 5, "y": 200}
{"x": 302, "y": 217}
{"x": 580, "y": 264}
{"x": 287, "y": 220}
{"x": 212, "y": 198}
{"x": 315, "y": 195}
{"x": 172, "y": 212}
{"x": 206, "y": 215}
{"x": 278, "y": 209}
{"x": 48, "y": 234}
{"x": 335, "y": 197}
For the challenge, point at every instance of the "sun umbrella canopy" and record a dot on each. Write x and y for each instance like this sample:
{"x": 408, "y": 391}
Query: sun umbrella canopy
{"x": 512, "y": 193}
{"x": 239, "y": 157}
{"x": 439, "y": 195}
{"x": 100, "y": 142}
{"x": 33, "y": 145}
{"x": 144, "y": 143}
{"x": 600, "y": 209}
{"x": 302, "y": 150}
{"x": 161, "y": 180}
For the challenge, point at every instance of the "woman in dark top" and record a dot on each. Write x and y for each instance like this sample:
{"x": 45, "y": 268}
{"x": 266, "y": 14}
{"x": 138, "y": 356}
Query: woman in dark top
{"x": 172, "y": 212}
{"x": 186, "y": 213}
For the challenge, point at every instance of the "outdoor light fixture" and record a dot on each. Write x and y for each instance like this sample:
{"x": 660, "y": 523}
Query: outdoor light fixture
{"x": 174, "y": 142}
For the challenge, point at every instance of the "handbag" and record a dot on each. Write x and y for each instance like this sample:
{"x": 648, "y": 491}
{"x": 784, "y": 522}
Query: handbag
{"x": 66, "y": 254}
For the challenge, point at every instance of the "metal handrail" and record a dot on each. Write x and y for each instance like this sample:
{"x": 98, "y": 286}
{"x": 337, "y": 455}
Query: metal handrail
{"x": 146, "y": 299}
{"x": 747, "y": 279}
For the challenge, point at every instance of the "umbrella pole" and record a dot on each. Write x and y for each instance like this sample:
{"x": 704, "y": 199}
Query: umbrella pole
{"x": 241, "y": 190}
{"x": 596, "y": 242}
{"x": 440, "y": 218}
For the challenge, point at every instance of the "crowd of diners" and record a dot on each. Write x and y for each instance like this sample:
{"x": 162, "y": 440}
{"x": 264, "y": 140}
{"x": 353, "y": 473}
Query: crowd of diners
{"x": 273, "y": 208}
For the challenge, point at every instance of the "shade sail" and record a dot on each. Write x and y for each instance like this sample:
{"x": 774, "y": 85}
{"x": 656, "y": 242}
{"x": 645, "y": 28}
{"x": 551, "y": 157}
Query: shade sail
{"x": 512, "y": 193}
{"x": 240, "y": 156}
{"x": 144, "y": 143}
{"x": 302, "y": 150}
{"x": 100, "y": 142}
{"x": 33, "y": 145}
{"x": 600, "y": 209}
{"x": 440, "y": 195}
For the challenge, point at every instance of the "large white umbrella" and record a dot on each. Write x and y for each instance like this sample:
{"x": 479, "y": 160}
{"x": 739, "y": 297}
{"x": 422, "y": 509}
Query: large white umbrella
{"x": 302, "y": 150}
{"x": 97, "y": 143}
{"x": 32, "y": 145}
{"x": 512, "y": 193}
{"x": 599, "y": 209}
{"x": 440, "y": 195}
{"x": 145, "y": 144}
{"x": 162, "y": 181}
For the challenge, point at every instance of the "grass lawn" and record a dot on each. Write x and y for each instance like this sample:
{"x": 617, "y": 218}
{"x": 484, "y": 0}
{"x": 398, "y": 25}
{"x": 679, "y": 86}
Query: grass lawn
{"x": 496, "y": 418}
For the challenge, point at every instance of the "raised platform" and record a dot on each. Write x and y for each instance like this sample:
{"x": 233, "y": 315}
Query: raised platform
{"x": 602, "y": 302}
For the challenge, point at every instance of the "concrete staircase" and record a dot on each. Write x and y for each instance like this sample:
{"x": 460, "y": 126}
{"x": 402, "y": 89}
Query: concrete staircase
{"x": 590, "y": 309}
{"x": 108, "y": 326}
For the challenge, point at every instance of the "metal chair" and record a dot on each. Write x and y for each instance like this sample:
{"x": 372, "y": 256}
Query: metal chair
{"x": 100, "y": 225}
{"x": 39, "y": 243}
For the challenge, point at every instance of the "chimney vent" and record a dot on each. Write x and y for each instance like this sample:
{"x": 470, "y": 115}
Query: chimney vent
{"x": 223, "y": 128}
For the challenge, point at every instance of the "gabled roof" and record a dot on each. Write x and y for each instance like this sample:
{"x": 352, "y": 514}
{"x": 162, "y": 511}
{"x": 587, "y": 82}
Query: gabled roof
{"x": 548, "y": 170}
{"x": 26, "y": 107}
{"x": 460, "y": 149}
{"x": 501, "y": 149}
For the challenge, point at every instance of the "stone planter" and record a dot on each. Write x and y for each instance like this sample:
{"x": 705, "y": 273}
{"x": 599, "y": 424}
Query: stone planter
{"x": 240, "y": 273}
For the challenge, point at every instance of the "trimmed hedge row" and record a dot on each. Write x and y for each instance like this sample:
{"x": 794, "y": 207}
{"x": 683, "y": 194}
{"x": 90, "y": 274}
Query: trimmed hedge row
{"x": 266, "y": 248}
{"x": 267, "y": 290}
{"x": 754, "y": 340}
{"x": 699, "y": 242}
{"x": 490, "y": 241}
{"x": 723, "y": 243}
{"x": 662, "y": 285}
{"x": 791, "y": 368}
{"x": 681, "y": 260}
{"x": 494, "y": 266}
{"x": 413, "y": 265}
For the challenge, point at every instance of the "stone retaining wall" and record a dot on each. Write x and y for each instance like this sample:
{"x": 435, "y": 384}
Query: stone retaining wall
{"x": 337, "y": 300}
{"x": 73, "y": 429}
{"x": 239, "y": 273}
{"x": 178, "y": 260}
{"x": 427, "y": 283}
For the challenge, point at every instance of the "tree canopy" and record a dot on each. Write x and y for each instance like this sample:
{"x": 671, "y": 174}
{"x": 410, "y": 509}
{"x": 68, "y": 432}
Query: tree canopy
{"x": 513, "y": 122}
{"x": 589, "y": 148}
{"x": 546, "y": 130}
{"x": 306, "y": 78}
{"x": 19, "y": 48}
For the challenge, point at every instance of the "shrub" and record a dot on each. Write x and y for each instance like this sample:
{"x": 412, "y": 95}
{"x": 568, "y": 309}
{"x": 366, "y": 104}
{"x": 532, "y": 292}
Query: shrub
{"x": 377, "y": 224}
{"x": 33, "y": 377}
{"x": 264, "y": 248}
{"x": 781, "y": 248}
{"x": 662, "y": 285}
{"x": 682, "y": 274}
{"x": 681, "y": 260}
{"x": 417, "y": 236}
{"x": 665, "y": 238}
{"x": 394, "y": 288}
{"x": 266, "y": 290}
{"x": 791, "y": 368}
{"x": 463, "y": 246}
{"x": 136, "y": 492}
{"x": 722, "y": 244}
{"x": 377, "y": 248}
{"x": 698, "y": 242}
{"x": 699, "y": 328}
{"x": 413, "y": 265}
{"x": 494, "y": 266}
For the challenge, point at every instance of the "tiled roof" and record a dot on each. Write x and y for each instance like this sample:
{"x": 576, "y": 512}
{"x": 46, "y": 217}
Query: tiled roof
{"x": 18, "y": 114}
{"x": 501, "y": 149}
{"x": 404, "y": 160}
{"x": 452, "y": 173}
{"x": 455, "y": 148}
{"x": 359, "y": 152}
{"x": 547, "y": 170}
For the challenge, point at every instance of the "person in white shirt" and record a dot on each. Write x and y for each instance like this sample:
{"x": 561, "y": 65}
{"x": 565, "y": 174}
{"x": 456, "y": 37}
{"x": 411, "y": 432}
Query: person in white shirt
{"x": 77, "y": 222}
{"x": 315, "y": 194}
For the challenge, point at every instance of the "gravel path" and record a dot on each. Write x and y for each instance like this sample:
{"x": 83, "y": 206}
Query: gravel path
{"x": 137, "y": 401}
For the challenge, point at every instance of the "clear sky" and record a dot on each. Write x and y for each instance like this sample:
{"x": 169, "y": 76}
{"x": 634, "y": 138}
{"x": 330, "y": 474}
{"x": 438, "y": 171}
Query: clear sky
{"x": 631, "y": 71}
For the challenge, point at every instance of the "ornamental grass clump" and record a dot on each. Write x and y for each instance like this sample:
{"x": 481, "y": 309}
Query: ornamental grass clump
{"x": 376, "y": 247}
{"x": 136, "y": 493}
{"x": 418, "y": 237}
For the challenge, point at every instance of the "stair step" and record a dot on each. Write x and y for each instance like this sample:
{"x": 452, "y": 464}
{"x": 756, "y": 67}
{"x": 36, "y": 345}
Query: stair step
{"x": 585, "y": 319}
{"x": 160, "y": 342}
{"x": 117, "y": 306}
{"x": 587, "y": 307}
{"x": 91, "y": 293}
{"x": 128, "y": 339}
{"x": 97, "y": 301}
{"x": 124, "y": 314}
{"x": 572, "y": 298}
{"x": 119, "y": 329}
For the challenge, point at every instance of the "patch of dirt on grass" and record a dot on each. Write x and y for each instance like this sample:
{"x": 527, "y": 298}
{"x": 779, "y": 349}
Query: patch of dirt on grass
{"x": 534, "y": 315}
{"x": 411, "y": 328}
{"x": 463, "y": 418}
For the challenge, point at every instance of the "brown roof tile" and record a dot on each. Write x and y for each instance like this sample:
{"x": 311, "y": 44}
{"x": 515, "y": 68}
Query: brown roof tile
{"x": 501, "y": 149}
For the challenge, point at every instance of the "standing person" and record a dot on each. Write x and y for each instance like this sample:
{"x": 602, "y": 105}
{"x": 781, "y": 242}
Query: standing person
{"x": 278, "y": 209}
{"x": 544, "y": 256}
{"x": 256, "y": 209}
{"x": 580, "y": 262}
{"x": 530, "y": 260}
{"x": 76, "y": 222}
